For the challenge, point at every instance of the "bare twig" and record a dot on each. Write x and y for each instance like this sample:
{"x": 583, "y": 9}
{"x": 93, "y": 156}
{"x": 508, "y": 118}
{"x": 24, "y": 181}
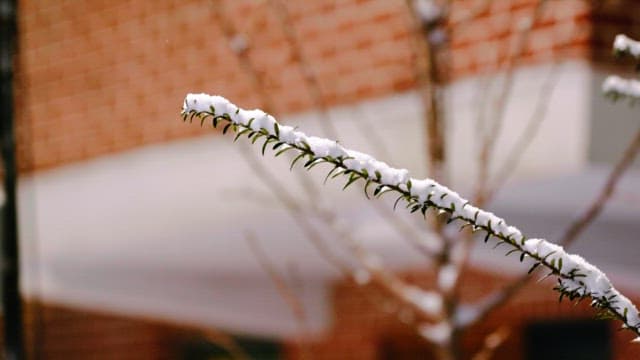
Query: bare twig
{"x": 228, "y": 343}
{"x": 426, "y": 73}
{"x": 295, "y": 210}
{"x": 288, "y": 294}
{"x": 242, "y": 54}
{"x": 308, "y": 74}
{"x": 528, "y": 134}
{"x": 492, "y": 342}
{"x": 501, "y": 100}
{"x": 586, "y": 218}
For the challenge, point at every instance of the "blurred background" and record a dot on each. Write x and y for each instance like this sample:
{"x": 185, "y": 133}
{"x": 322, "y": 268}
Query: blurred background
{"x": 144, "y": 237}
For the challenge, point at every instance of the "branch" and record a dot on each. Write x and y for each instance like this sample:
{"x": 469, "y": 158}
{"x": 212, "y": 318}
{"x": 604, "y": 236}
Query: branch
{"x": 625, "y": 46}
{"x": 616, "y": 88}
{"x": 426, "y": 73}
{"x": 622, "y": 46}
{"x": 597, "y": 205}
{"x": 577, "y": 279}
{"x": 491, "y": 343}
{"x": 528, "y": 134}
{"x": 489, "y": 139}
{"x": 497, "y": 299}
{"x": 288, "y": 295}
{"x": 296, "y": 211}
{"x": 307, "y": 72}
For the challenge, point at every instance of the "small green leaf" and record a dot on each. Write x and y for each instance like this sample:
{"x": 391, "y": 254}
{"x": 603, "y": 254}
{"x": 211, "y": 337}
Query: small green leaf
{"x": 366, "y": 186}
{"x": 533, "y": 267}
{"x": 281, "y": 151}
{"x": 352, "y": 178}
{"x": 329, "y": 174}
{"x": 293, "y": 162}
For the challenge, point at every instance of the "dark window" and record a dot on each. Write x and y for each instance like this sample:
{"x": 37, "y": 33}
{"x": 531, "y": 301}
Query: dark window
{"x": 568, "y": 340}
{"x": 253, "y": 348}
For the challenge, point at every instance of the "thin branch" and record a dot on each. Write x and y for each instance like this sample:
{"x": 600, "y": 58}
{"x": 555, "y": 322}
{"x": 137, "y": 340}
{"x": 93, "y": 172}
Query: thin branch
{"x": 492, "y": 342}
{"x": 578, "y": 279}
{"x": 426, "y": 74}
{"x": 528, "y": 134}
{"x": 596, "y": 207}
{"x": 286, "y": 292}
{"x": 373, "y": 137}
{"x": 307, "y": 72}
{"x": 240, "y": 47}
{"x": 500, "y": 297}
{"x": 228, "y": 343}
{"x": 295, "y": 210}
{"x": 490, "y": 137}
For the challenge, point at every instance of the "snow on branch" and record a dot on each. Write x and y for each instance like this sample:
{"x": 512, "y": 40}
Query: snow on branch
{"x": 577, "y": 279}
{"x": 624, "y": 45}
{"x": 617, "y": 87}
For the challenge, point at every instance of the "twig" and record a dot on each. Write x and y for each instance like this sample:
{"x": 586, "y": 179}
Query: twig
{"x": 492, "y": 342}
{"x": 307, "y": 72}
{"x": 288, "y": 294}
{"x": 500, "y": 297}
{"x": 581, "y": 223}
{"x": 489, "y": 139}
{"x": 242, "y": 53}
{"x": 295, "y": 210}
{"x": 528, "y": 134}
{"x": 228, "y": 343}
{"x": 426, "y": 73}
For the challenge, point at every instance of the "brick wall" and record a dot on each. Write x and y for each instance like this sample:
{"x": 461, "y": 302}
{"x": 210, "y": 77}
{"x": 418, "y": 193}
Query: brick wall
{"x": 98, "y": 77}
{"x": 366, "y": 323}
{"x": 60, "y": 332}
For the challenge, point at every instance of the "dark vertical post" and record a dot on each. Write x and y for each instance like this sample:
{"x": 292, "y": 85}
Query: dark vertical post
{"x": 12, "y": 307}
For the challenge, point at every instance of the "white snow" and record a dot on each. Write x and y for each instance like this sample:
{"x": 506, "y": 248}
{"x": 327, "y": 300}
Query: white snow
{"x": 591, "y": 282}
{"x": 465, "y": 314}
{"x": 427, "y": 10}
{"x": 447, "y": 276}
{"x": 625, "y": 44}
{"x": 362, "y": 277}
{"x": 439, "y": 333}
{"x": 619, "y": 86}
{"x": 429, "y": 301}
{"x": 238, "y": 43}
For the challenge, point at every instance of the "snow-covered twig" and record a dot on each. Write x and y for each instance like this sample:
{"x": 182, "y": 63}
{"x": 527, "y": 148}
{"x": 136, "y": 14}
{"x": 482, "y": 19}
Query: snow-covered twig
{"x": 624, "y": 45}
{"x": 576, "y": 277}
{"x": 495, "y": 300}
{"x": 617, "y": 88}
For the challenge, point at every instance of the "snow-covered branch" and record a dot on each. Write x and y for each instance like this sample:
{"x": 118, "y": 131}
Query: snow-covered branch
{"x": 577, "y": 278}
{"x": 624, "y": 45}
{"x": 617, "y": 87}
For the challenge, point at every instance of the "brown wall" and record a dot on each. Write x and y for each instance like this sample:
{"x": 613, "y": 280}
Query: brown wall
{"x": 60, "y": 332}
{"x": 98, "y": 77}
